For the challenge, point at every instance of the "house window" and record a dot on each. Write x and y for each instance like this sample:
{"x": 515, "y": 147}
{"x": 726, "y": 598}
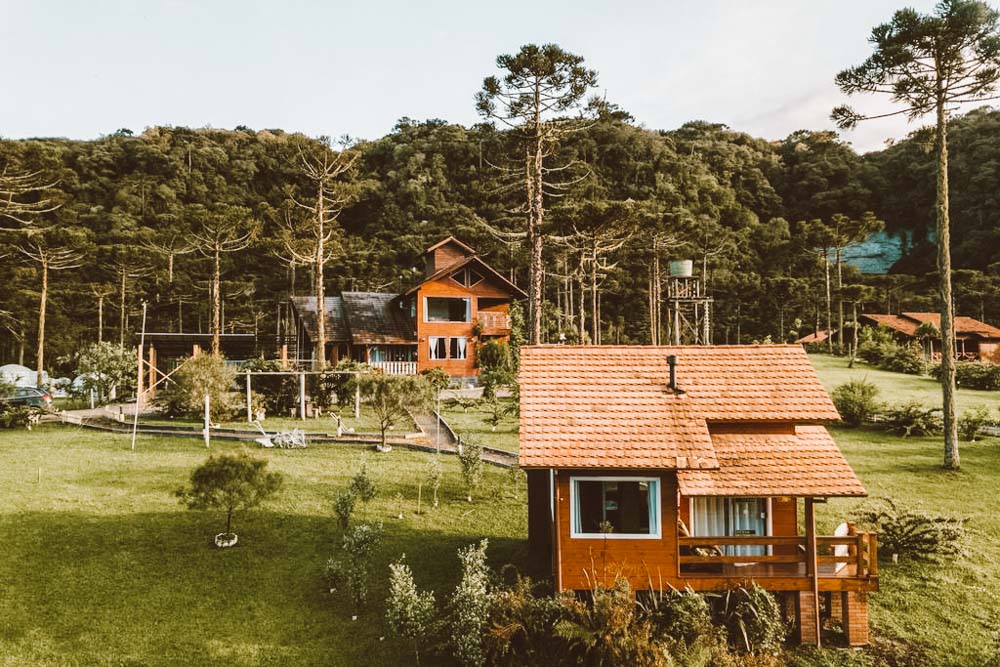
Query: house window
{"x": 615, "y": 507}
{"x": 458, "y": 347}
{"x": 438, "y": 347}
{"x": 467, "y": 277}
{"x": 444, "y": 309}
{"x": 716, "y": 516}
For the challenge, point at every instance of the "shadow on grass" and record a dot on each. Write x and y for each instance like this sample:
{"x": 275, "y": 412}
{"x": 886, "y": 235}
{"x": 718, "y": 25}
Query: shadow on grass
{"x": 150, "y": 588}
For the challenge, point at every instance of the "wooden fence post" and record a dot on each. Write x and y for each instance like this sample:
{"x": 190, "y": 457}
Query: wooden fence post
{"x": 249, "y": 405}
{"x": 302, "y": 396}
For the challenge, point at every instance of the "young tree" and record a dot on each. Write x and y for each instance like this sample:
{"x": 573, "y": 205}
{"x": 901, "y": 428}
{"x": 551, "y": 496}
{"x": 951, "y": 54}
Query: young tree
{"x": 540, "y": 87}
{"x": 470, "y": 607}
{"x": 470, "y": 458}
{"x": 106, "y": 368}
{"x": 316, "y": 239}
{"x": 409, "y": 611}
{"x": 391, "y": 397}
{"x": 933, "y": 63}
{"x": 226, "y": 229}
{"x": 49, "y": 255}
{"x": 232, "y": 483}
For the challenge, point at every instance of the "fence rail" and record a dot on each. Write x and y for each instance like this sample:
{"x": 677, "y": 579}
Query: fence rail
{"x": 396, "y": 367}
{"x": 491, "y": 320}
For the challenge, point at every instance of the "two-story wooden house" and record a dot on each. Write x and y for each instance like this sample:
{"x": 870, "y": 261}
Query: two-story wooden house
{"x": 461, "y": 303}
{"x": 691, "y": 466}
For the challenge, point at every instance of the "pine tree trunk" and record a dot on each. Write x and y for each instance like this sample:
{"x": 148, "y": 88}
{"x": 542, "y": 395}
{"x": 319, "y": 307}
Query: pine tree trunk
{"x": 216, "y": 304}
{"x": 829, "y": 304}
{"x": 951, "y": 456}
{"x": 840, "y": 304}
{"x": 121, "y": 308}
{"x": 595, "y": 318}
{"x": 100, "y": 318}
{"x": 320, "y": 353}
{"x": 41, "y": 321}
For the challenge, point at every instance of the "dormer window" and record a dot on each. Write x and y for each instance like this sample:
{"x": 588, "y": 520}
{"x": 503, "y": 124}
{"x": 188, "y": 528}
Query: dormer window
{"x": 467, "y": 277}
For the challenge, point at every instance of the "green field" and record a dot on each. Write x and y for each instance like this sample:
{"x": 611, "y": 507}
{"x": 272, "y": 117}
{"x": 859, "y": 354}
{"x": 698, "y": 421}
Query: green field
{"x": 897, "y": 387}
{"x": 365, "y": 423}
{"x": 473, "y": 423}
{"x": 100, "y": 565}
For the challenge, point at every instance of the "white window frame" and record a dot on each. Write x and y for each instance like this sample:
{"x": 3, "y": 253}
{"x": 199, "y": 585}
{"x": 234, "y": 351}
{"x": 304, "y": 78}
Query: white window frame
{"x": 430, "y": 347}
{"x": 465, "y": 346}
{"x": 655, "y": 508}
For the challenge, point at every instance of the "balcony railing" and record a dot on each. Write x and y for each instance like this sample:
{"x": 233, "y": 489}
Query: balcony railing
{"x": 491, "y": 321}
{"x": 396, "y": 367}
{"x": 840, "y": 556}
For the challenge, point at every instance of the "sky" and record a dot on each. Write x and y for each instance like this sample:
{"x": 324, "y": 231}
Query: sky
{"x": 84, "y": 69}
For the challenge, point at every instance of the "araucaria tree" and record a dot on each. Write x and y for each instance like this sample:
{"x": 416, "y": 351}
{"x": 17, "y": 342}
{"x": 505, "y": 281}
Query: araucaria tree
{"x": 230, "y": 482}
{"x": 226, "y": 229}
{"x": 23, "y": 197}
{"x": 541, "y": 87}
{"x": 932, "y": 64}
{"x": 315, "y": 239}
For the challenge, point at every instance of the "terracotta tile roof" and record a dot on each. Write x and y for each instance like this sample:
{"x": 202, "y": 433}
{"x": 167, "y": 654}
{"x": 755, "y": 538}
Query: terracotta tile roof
{"x": 806, "y": 463}
{"x": 337, "y": 330}
{"x": 514, "y": 290}
{"x": 376, "y": 319}
{"x": 816, "y": 337}
{"x": 598, "y": 406}
{"x": 895, "y": 322}
{"x": 963, "y": 325}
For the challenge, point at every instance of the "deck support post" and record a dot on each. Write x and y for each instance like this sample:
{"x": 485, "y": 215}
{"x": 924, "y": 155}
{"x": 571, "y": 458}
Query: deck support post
{"x": 813, "y": 571}
{"x": 855, "y": 617}
{"x": 302, "y": 396}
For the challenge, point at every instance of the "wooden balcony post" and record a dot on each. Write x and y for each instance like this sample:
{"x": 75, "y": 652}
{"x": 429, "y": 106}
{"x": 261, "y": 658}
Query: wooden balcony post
{"x": 812, "y": 568}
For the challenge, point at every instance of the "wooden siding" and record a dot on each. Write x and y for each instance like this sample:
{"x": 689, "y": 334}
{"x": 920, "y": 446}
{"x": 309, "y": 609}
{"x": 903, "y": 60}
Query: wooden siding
{"x": 640, "y": 561}
{"x": 446, "y": 287}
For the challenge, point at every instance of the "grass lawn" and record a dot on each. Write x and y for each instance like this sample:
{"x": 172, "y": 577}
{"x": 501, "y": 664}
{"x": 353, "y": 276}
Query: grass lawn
{"x": 952, "y": 607}
{"x": 897, "y": 387}
{"x": 366, "y": 423}
{"x": 473, "y": 423}
{"x": 100, "y": 565}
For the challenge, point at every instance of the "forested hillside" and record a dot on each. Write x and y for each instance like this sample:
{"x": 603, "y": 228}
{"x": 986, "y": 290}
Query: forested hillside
{"x": 132, "y": 207}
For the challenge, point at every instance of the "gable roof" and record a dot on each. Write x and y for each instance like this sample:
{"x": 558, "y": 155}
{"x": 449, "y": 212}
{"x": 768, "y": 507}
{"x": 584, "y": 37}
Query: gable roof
{"x": 376, "y": 319}
{"x": 907, "y": 324}
{"x": 514, "y": 290}
{"x": 611, "y": 407}
{"x": 804, "y": 463}
{"x": 452, "y": 240}
{"x": 337, "y": 329}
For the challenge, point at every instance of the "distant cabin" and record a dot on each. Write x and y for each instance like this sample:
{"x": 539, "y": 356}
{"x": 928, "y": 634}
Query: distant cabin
{"x": 974, "y": 340}
{"x": 461, "y": 303}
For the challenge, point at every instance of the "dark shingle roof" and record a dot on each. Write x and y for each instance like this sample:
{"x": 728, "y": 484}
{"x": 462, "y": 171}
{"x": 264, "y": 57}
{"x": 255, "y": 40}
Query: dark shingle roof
{"x": 376, "y": 318}
{"x": 337, "y": 329}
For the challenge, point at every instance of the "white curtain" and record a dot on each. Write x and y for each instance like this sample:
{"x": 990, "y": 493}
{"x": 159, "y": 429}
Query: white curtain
{"x": 460, "y": 344}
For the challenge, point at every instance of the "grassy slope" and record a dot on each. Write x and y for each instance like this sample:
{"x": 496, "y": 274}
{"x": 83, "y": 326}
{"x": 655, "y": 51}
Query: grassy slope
{"x": 897, "y": 387}
{"x": 100, "y": 565}
{"x": 472, "y": 423}
{"x": 366, "y": 423}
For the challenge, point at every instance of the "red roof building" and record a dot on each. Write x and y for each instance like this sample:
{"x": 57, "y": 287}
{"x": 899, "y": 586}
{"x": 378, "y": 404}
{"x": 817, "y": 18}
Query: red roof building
{"x": 973, "y": 339}
{"x": 685, "y": 467}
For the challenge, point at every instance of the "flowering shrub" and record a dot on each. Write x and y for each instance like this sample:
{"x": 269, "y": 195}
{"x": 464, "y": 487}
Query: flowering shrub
{"x": 409, "y": 612}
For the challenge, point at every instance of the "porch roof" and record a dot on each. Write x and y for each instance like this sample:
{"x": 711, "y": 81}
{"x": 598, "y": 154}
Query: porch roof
{"x": 806, "y": 463}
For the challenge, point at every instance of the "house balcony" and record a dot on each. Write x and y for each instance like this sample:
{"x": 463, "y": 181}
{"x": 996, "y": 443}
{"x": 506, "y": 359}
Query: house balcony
{"x": 395, "y": 367}
{"x": 846, "y": 562}
{"x": 494, "y": 323}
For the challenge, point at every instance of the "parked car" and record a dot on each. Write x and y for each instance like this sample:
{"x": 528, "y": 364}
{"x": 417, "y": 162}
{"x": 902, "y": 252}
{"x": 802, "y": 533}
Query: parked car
{"x": 38, "y": 398}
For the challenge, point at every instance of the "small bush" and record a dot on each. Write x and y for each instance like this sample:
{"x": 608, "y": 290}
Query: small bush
{"x": 912, "y": 418}
{"x": 470, "y": 607}
{"x": 18, "y": 416}
{"x": 204, "y": 374}
{"x": 857, "y": 401}
{"x": 362, "y": 485}
{"x": 974, "y": 375}
{"x": 280, "y": 393}
{"x": 409, "y": 612}
{"x": 874, "y": 343}
{"x": 904, "y": 359}
{"x": 912, "y": 533}
{"x": 753, "y": 621}
{"x": 354, "y": 571}
{"x": 973, "y": 421}
{"x": 343, "y": 506}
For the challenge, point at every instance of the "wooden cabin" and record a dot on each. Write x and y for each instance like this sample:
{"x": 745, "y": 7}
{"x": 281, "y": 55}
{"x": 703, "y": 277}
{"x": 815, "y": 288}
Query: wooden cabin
{"x": 460, "y": 303}
{"x": 691, "y": 466}
{"x": 974, "y": 340}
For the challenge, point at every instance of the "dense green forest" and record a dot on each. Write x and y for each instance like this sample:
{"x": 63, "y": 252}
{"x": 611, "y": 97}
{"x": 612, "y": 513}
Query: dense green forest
{"x": 741, "y": 207}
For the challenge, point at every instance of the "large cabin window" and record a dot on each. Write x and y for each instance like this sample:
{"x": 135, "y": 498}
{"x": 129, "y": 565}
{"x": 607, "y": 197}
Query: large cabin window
{"x": 447, "y": 309}
{"x": 716, "y": 516}
{"x": 615, "y": 507}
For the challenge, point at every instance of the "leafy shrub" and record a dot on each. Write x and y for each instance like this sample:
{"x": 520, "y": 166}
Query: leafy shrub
{"x": 913, "y": 533}
{"x": 438, "y": 378}
{"x": 435, "y": 473}
{"x": 362, "y": 485}
{"x": 972, "y": 422}
{"x": 874, "y": 342}
{"x": 354, "y": 571}
{"x": 280, "y": 392}
{"x": 857, "y": 401}
{"x": 343, "y": 506}
{"x": 469, "y": 607}
{"x": 522, "y": 627}
{"x": 912, "y": 418}
{"x": 336, "y": 386}
{"x": 470, "y": 458}
{"x": 974, "y": 375}
{"x": 904, "y": 359}
{"x": 198, "y": 376}
{"x": 753, "y": 621}
{"x": 409, "y": 612}
{"x": 18, "y": 416}
{"x": 105, "y": 367}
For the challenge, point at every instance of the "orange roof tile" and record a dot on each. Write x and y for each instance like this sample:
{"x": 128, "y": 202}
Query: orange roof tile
{"x": 963, "y": 325}
{"x": 806, "y": 463}
{"x": 606, "y": 406}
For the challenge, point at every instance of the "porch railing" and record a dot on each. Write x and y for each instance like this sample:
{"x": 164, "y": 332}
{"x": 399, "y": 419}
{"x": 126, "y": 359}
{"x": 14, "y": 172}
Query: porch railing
{"x": 846, "y": 556}
{"x": 396, "y": 367}
{"x": 493, "y": 321}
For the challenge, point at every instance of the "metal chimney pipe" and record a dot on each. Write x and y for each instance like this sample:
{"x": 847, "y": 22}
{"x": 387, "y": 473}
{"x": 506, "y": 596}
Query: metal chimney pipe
{"x": 672, "y": 361}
